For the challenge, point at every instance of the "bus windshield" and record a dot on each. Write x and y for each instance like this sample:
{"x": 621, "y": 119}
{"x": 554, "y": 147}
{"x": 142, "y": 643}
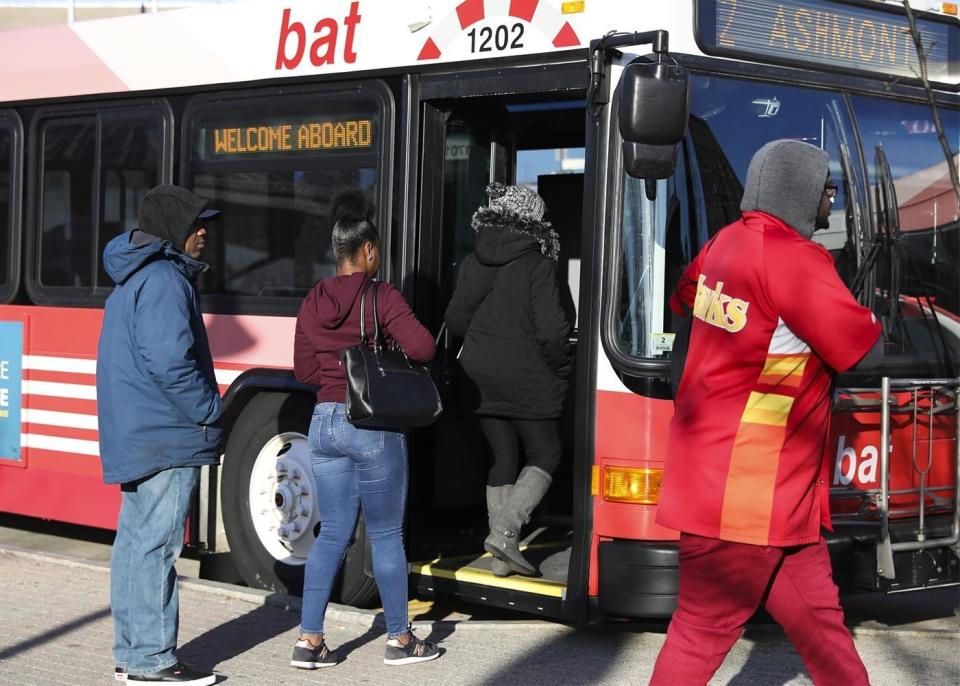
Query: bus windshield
{"x": 730, "y": 120}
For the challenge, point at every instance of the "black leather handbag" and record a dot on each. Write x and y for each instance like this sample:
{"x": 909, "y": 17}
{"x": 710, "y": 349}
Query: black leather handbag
{"x": 385, "y": 390}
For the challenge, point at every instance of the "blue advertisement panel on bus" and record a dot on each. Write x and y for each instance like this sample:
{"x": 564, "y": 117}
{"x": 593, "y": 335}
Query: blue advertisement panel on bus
{"x": 840, "y": 36}
{"x": 11, "y": 375}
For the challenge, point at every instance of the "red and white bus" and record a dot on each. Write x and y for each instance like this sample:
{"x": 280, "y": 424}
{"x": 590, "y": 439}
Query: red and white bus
{"x": 269, "y": 108}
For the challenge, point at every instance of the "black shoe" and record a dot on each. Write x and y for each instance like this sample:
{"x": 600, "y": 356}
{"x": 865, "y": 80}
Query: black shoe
{"x": 305, "y": 656}
{"x": 415, "y": 651}
{"x": 177, "y": 674}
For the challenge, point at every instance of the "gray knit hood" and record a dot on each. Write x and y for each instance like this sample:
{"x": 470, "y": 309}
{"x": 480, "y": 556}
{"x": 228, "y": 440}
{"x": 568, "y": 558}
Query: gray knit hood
{"x": 786, "y": 179}
{"x": 515, "y": 216}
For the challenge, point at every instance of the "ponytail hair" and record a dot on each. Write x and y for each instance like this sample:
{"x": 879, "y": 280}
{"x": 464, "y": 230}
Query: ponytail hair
{"x": 353, "y": 225}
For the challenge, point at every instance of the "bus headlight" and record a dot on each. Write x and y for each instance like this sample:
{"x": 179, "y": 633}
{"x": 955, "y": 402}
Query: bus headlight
{"x": 638, "y": 485}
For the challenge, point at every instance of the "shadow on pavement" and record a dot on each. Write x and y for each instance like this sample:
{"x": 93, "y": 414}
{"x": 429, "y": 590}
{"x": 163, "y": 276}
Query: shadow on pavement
{"x": 772, "y": 660}
{"x": 441, "y": 627}
{"x": 373, "y": 633}
{"x": 916, "y": 665}
{"x": 53, "y": 633}
{"x": 223, "y": 643}
{"x": 577, "y": 657}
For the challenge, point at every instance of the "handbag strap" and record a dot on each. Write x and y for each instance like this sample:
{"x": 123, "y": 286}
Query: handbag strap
{"x": 363, "y": 316}
{"x": 378, "y": 341}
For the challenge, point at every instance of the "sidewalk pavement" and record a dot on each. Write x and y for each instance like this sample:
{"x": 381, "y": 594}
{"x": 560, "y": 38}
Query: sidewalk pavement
{"x": 55, "y": 629}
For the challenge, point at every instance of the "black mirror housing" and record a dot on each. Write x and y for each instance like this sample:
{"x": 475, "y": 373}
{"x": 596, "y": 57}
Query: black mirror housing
{"x": 650, "y": 161}
{"x": 654, "y": 103}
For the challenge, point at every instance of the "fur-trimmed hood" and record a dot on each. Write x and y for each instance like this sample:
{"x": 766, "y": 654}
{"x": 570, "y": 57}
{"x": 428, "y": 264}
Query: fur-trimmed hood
{"x": 503, "y": 236}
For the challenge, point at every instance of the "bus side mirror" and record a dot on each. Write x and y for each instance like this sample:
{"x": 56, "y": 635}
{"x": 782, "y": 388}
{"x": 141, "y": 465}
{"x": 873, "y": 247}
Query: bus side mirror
{"x": 649, "y": 161}
{"x": 653, "y": 111}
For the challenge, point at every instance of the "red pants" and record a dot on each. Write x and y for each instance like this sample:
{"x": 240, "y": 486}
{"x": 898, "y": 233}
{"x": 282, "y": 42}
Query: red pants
{"x": 722, "y": 584}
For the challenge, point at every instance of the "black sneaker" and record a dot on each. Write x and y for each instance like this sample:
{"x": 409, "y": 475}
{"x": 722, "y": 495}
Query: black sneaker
{"x": 416, "y": 650}
{"x": 177, "y": 674}
{"x": 305, "y": 656}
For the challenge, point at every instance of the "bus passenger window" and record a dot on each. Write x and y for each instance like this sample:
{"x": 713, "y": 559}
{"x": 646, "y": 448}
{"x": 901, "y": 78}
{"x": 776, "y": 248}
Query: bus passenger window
{"x": 6, "y": 203}
{"x": 130, "y": 161}
{"x": 66, "y": 243}
{"x": 96, "y": 169}
{"x": 273, "y": 165}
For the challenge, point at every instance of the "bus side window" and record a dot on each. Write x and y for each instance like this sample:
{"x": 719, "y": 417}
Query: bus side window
{"x": 69, "y": 151}
{"x": 130, "y": 160}
{"x": 84, "y": 204}
{"x": 7, "y": 187}
{"x": 273, "y": 163}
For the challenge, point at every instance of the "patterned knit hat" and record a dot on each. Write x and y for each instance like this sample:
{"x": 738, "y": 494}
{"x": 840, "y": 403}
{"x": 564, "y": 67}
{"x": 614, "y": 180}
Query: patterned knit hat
{"x": 517, "y": 199}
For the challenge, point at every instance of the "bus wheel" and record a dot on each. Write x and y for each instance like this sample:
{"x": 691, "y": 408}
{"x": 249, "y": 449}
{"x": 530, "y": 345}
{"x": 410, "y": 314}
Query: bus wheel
{"x": 268, "y": 500}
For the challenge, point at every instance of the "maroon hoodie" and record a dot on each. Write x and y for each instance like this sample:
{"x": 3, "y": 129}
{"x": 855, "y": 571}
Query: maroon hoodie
{"x": 329, "y": 321}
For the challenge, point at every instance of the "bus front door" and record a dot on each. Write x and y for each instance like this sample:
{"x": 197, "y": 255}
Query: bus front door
{"x": 467, "y": 143}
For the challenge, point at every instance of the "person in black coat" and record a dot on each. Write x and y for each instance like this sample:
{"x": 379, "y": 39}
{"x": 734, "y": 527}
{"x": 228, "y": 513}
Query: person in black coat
{"x": 507, "y": 308}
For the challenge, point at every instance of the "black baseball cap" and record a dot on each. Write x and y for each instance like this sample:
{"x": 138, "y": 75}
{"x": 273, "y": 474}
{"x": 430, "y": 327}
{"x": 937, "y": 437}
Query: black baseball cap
{"x": 171, "y": 213}
{"x": 208, "y": 214}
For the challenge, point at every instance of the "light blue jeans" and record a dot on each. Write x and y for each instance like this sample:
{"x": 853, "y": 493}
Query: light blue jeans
{"x": 353, "y": 469}
{"x": 143, "y": 582}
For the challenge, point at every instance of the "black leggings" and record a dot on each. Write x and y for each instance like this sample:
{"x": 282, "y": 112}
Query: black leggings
{"x": 541, "y": 444}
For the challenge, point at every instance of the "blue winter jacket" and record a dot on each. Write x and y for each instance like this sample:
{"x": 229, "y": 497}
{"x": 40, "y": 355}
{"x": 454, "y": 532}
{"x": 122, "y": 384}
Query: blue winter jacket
{"x": 157, "y": 397}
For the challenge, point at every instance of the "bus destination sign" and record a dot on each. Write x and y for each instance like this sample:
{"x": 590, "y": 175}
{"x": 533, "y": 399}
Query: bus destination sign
{"x": 290, "y": 137}
{"x": 831, "y": 34}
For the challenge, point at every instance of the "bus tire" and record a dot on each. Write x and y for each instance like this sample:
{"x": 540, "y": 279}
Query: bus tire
{"x": 270, "y": 432}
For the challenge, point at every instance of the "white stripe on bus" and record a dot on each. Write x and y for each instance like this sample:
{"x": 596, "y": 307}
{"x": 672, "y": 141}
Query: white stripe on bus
{"x": 72, "y": 365}
{"x": 60, "y": 445}
{"x": 70, "y": 420}
{"x": 225, "y": 377}
{"x": 59, "y": 390}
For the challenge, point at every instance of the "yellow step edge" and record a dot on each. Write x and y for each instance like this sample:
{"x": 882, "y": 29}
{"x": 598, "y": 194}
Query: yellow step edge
{"x": 483, "y": 577}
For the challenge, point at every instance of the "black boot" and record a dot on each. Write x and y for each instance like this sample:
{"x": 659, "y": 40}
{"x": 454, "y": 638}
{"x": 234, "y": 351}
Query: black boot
{"x": 504, "y": 540}
{"x": 497, "y": 498}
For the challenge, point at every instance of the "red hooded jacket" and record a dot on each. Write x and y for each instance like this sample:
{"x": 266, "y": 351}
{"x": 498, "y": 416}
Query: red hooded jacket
{"x": 329, "y": 321}
{"x": 745, "y": 457}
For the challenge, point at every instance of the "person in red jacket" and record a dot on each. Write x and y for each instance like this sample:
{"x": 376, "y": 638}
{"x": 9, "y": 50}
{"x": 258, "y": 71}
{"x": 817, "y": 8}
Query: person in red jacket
{"x": 745, "y": 476}
{"x": 353, "y": 467}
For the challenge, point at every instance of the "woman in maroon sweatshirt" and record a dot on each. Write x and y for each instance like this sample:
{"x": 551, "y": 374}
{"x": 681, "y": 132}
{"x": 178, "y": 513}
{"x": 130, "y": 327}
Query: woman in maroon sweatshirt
{"x": 355, "y": 468}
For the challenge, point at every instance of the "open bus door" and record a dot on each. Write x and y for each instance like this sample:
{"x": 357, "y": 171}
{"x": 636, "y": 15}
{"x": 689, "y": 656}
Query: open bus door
{"x": 476, "y": 129}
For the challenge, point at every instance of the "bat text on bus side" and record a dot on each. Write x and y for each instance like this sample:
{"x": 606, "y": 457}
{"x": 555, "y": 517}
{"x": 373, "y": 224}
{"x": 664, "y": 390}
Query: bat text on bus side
{"x": 293, "y": 41}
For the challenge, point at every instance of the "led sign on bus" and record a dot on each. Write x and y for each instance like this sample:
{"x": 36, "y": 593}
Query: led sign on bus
{"x": 347, "y": 134}
{"x": 828, "y": 33}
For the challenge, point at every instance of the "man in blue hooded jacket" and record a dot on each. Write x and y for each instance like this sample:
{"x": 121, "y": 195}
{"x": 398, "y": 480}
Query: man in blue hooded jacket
{"x": 159, "y": 412}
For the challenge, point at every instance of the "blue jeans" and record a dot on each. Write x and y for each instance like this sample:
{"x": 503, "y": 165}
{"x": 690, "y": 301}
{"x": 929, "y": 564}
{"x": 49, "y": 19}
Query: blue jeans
{"x": 353, "y": 469}
{"x": 143, "y": 582}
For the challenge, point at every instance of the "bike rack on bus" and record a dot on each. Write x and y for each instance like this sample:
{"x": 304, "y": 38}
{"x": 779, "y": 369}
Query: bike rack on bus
{"x": 929, "y": 398}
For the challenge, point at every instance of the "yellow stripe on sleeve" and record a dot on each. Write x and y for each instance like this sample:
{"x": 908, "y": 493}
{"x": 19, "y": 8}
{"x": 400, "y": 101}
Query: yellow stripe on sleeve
{"x": 785, "y": 365}
{"x": 771, "y": 409}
